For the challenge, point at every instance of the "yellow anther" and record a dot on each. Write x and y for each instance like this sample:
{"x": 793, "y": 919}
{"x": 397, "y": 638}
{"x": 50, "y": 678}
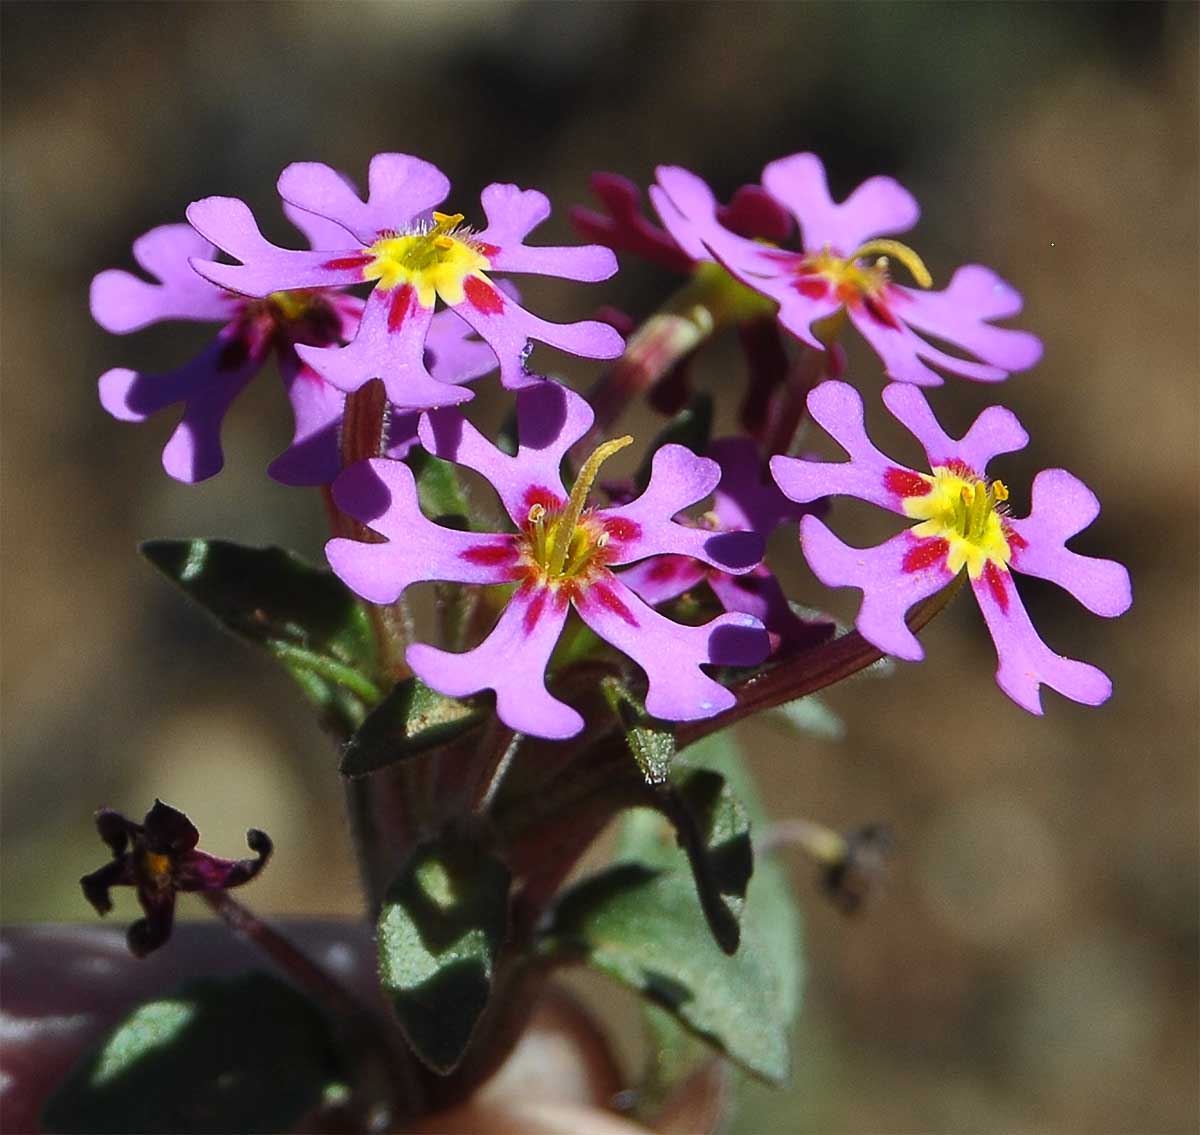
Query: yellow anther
{"x": 564, "y": 526}
{"x": 537, "y": 513}
{"x": 999, "y": 491}
{"x": 901, "y": 252}
{"x": 443, "y": 221}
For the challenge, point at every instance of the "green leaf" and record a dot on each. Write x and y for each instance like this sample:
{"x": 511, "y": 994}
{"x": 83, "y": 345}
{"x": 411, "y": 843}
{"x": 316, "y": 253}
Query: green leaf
{"x": 443, "y": 922}
{"x": 692, "y": 427}
{"x": 410, "y": 720}
{"x": 441, "y": 493}
{"x": 304, "y": 616}
{"x": 652, "y": 748}
{"x": 243, "y": 1054}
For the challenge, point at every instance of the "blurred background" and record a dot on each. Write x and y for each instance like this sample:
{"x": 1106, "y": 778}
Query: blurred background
{"x": 1032, "y": 965}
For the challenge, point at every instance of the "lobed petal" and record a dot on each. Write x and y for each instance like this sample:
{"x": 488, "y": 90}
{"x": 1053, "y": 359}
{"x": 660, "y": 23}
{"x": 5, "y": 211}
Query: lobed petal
{"x": 623, "y": 227}
{"x": 122, "y": 302}
{"x": 314, "y": 456}
{"x": 743, "y": 500}
{"x": 550, "y": 419}
{"x": 961, "y": 314}
{"x": 995, "y": 431}
{"x": 1061, "y": 506}
{"x": 230, "y": 225}
{"x": 644, "y": 527}
{"x": 663, "y": 578}
{"x": 512, "y": 661}
{"x": 383, "y": 495}
{"x": 207, "y": 386}
{"x": 389, "y": 344}
{"x": 758, "y": 593}
{"x": 401, "y": 188}
{"x": 838, "y": 408}
{"x": 455, "y": 354}
{"x": 888, "y": 577}
{"x": 1026, "y": 662}
{"x": 671, "y": 654}
{"x": 512, "y": 213}
{"x": 878, "y": 206}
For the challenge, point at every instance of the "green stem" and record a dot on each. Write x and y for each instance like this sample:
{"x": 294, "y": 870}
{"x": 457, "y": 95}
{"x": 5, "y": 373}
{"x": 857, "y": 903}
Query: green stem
{"x": 326, "y": 667}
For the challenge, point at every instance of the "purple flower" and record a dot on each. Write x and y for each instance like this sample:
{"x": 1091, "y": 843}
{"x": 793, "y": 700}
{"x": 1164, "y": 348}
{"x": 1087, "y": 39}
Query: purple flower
{"x": 844, "y": 266}
{"x": 560, "y": 557}
{"x": 743, "y": 502}
{"x": 412, "y": 256}
{"x": 158, "y": 857}
{"x": 963, "y": 523}
{"x": 252, "y": 330}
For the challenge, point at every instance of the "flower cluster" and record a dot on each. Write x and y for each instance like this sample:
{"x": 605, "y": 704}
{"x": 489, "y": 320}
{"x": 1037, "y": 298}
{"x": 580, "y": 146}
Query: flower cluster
{"x": 671, "y": 581}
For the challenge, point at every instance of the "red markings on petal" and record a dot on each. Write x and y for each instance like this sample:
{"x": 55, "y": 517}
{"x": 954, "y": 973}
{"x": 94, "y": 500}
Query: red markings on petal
{"x": 997, "y": 582}
{"x": 905, "y": 483}
{"x": 619, "y": 528}
{"x": 534, "y": 611}
{"x": 924, "y": 554}
{"x": 880, "y": 313}
{"x": 547, "y": 498}
{"x": 611, "y": 601}
{"x": 489, "y": 554}
{"x": 344, "y": 263}
{"x": 400, "y": 306}
{"x": 482, "y": 296}
{"x": 814, "y": 287}
{"x": 663, "y": 570}
{"x": 485, "y": 249}
{"x": 1016, "y": 542}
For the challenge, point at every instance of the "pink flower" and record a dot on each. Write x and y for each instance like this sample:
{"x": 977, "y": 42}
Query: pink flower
{"x": 412, "y": 256}
{"x": 843, "y": 265}
{"x": 251, "y": 332}
{"x": 962, "y": 524}
{"x": 560, "y": 557}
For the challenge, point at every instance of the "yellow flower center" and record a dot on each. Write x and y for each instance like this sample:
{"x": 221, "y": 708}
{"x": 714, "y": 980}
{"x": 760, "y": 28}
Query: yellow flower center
{"x": 562, "y": 545}
{"x": 854, "y": 276}
{"x": 435, "y": 262}
{"x": 967, "y": 513}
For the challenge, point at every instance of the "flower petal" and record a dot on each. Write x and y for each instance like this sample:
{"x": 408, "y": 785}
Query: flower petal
{"x": 402, "y": 188}
{"x": 744, "y": 500}
{"x": 389, "y": 344}
{"x": 265, "y": 267}
{"x": 383, "y": 495}
{"x": 879, "y": 205}
{"x": 455, "y": 354}
{"x": 512, "y": 213}
{"x": 624, "y": 227}
{"x": 838, "y": 408}
{"x": 550, "y": 419}
{"x": 1063, "y": 505}
{"x": 314, "y": 457}
{"x": 671, "y": 654}
{"x": 1026, "y": 662}
{"x": 995, "y": 431}
{"x": 758, "y": 593}
{"x": 662, "y": 578}
{"x": 961, "y": 314}
{"x": 644, "y": 527}
{"x": 892, "y": 577}
{"x": 122, "y": 302}
{"x": 512, "y": 661}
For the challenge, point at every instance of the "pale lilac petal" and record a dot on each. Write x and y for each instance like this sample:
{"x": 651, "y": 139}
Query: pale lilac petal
{"x": 512, "y": 661}
{"x": 678, "y": 478}
{"x": 671, "y": 654}
{"x": 995, "y": 431}
{"x": 322, "y": 234}
{"x": 906, "y": 355}
{"x": 383, "y": 495}
{"x": 838, "y": 408}
{"x": 744, "y": 500}
{"x": 512, "y": 213}
{"x": 207, "y": 386}
{"x": 550, "y": 419}
{"x": 686, "y": 208}
{"x": 1063, "y": 505}
{"x": 892, "y": 577}
{"x": 962, "y": 313}
{"x": 122, "y": 302}
{"x": 402, "y": 188}
{"x": 507, "y": 328}
{"x": 390, "y": 344}
{"x": 314, "y": 456}
{"x": 878, "y": 206}
{"x": 456, "y": 356}
{"x": 402, "y": 435}
{"x": 349, "y": 311}
{"x": 758, "y": 593}
{"x": 662, "y": 578}
{"x": 1027, "y": 663}
{"x": 265, "y": 267}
